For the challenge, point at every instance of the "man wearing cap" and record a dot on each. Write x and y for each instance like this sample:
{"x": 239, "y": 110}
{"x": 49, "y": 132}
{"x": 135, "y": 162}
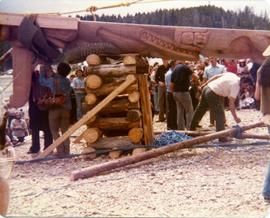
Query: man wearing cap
{"x": 218, "y": 87}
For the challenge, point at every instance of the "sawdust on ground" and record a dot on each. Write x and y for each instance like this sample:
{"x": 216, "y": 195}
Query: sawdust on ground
{"x": 202, "y": 182}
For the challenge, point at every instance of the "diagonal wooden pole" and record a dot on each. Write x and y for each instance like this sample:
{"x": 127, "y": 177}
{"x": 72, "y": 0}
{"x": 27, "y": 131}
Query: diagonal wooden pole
{"x": 111, "y": 165}
{"x": 129, "y": 80}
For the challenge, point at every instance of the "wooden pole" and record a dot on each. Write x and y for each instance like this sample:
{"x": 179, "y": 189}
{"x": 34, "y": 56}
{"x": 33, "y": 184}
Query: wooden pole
{"x": 146, "y": 109}
{"x": 129, "y": 80}
{"x": 105, "y": 167}
{"x": 253, "y": 136}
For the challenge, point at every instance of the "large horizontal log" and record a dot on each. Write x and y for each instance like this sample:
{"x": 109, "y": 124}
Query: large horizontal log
{"x": 94, "y": 81}
{"x": 106, "y": 89}
{"x": 105, "y": 167}
{"x": 115, "y": 123}
{"x": 93, "y": 60}
{"x": 92, "y": 135}
{"x": 135, "y": 135}
{"x": 116, "y": 106}
{"x": 111, "y": 143}
{"x": 112, "y": 70}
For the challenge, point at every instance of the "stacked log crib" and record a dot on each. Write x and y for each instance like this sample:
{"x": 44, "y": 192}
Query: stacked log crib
{"x": 126, "y": 121}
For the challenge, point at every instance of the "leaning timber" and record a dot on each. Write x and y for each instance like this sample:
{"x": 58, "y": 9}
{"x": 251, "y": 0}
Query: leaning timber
{"x": 105, "y": 167}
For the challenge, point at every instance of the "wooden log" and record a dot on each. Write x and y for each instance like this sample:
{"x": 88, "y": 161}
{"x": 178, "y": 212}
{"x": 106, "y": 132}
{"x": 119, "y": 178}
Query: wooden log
{"x": 129, "y": 60}
{"x": 253, "y": 136}
{"x": 115, "y": 107}
{"x": 115, "y": 123}
{"x": 91, "y": 135}
{"x": 134, "y": 97}
{"x": 106, "y": 89}
{"x": 90, "y": 99}
{"x": 93, "y": 60}
{"x": 146, "y": 109}
{"x": 115, "y": 154}
{"x": 134, "y": 115}
{"x": 138, "y": 151}
{"x": 112, "y": 143}
{"x": 114, "y": 80}
{"x": 130, "y": 79}
{"x": 89, "y": 153}
{"x": 4, "y": 196}
{"x": 105, "y": 167}
{"x": 135, "y": 135}
{"x": 94, "y": 81}
{"x": 112, "y": 70}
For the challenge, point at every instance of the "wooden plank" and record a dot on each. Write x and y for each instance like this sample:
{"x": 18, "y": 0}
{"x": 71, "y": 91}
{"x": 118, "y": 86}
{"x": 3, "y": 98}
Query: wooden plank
{"x": 146, "y": 109}
{"x": 43, "y": 20}
{"x": 115, "y": 164}
{"x": 129, "y": 80}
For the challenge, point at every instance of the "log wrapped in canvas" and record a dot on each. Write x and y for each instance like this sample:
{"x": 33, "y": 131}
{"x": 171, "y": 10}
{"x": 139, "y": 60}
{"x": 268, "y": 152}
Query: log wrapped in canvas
{"x": 112, "y": 70}
{"x": 179, "y": 43}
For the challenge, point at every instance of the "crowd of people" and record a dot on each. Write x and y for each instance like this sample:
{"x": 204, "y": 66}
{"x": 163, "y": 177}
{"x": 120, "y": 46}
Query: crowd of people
{"x": 181, "y": 92}
{"x": 52, "y": 120}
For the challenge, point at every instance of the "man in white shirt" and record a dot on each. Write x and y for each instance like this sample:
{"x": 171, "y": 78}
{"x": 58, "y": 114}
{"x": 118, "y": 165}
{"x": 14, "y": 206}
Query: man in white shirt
{"x": 218, "y": 87}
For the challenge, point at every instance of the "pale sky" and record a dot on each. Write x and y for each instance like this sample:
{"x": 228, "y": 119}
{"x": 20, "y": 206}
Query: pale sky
{"x": 41, "y": 6}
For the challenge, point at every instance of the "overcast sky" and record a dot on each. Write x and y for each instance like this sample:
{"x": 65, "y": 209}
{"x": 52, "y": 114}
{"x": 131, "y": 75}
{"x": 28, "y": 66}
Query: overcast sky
{"x": 41, "y": 6}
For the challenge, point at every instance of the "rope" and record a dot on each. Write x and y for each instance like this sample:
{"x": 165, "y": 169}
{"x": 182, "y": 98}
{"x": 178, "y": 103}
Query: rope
{"x": 238, "y": 133}
{"x": 93, "y": 9}
{"x": 97, "y": 152}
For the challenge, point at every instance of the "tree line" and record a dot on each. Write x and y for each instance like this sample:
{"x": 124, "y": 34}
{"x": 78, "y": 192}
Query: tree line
{"x": 202, "y": 16}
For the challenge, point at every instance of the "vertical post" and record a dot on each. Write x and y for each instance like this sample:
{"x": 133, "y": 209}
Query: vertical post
{"x": 146, "y": 109}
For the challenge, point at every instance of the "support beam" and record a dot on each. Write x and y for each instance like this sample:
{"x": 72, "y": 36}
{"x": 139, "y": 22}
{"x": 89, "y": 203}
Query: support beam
{"x": 105, "y": 167}
{"x": 146, "y": 109}
{"x": 129, "y": 80}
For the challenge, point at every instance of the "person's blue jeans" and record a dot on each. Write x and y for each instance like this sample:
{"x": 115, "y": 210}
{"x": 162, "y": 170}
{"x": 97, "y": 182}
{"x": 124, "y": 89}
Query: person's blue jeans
{"x": 266, "y": 187}
{"x": 79, "y": 99}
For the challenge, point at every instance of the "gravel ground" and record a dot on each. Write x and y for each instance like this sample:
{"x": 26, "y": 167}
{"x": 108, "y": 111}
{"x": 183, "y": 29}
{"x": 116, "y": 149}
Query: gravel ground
{"x": 205, "y": 182}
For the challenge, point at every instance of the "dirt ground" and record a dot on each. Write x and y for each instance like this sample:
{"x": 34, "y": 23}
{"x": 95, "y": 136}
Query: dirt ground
{"x": 204, "y": 182}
